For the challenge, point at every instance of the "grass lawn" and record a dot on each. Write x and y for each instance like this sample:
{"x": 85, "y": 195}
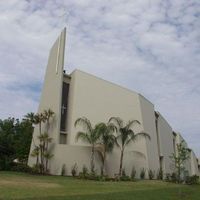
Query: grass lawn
{"x": 31, "y": 187}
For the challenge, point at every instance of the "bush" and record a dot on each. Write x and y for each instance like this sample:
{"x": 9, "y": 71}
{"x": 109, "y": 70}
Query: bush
{"x": 151, "y": 174}
{"x": 142, "y": 173}
{"x": 84, "y": 170}
{"x": 35, "y": 169}
{"x": 174, "y": 177}
{"x": 19, "y": 167}
{"x": 84, "y": 174}
{"x": 192, "y": 180}
{"x": 74, "y": 170}
{"x": 93, "y": 176}
{"x": 133, "y": 173}
{"x": 160, "y": 174}
{"x": 123, "y": 172}
{"x": 63, "y": 170}
{"x": 168, "y": 177}
{"x": 125, "y": 178}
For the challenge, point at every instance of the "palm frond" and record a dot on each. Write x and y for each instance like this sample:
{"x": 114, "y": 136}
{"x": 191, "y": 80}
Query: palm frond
{"x": 130, "y": 123}
{"x": 117, "y": 120}
{"x": 143, "y": 134}
{"x": 83, "y": 121}
{"x": 83, "y": 136}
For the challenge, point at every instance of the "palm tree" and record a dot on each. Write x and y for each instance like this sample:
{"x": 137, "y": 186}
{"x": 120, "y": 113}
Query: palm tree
{"x": 47, "y": 115}
{"x": 47, "y": 156}
{"x": 89, "y": 135}
{"x": 36, "y": 153}
{"x": 31, "y": 117}
{"x": 125, "y": 136}
{"x": 107, "y": 141}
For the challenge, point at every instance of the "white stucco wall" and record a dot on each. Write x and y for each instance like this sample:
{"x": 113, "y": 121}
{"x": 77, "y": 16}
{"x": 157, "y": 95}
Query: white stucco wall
{"x": 98, "y": 100}
{"x": 166, "y": 143}
{"x": 51, "y": 92}
{"x": 149, "y": 126}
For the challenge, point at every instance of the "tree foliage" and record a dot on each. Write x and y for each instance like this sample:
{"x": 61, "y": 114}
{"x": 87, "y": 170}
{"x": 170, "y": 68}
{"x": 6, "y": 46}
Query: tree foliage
{"x": 179, "y": 158}
{"x": 89, "y": 135}
{"x": 125, "y": 136}
{"x": 15, "y": 140}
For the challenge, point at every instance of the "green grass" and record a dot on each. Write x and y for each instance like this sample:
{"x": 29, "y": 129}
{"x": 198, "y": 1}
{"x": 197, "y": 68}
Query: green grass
{"x": 31, "y": 187}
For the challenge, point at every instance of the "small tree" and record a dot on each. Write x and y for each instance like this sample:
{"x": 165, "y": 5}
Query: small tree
{"x": 90, "y": 135}
{"x": 142, "y": 173}
{"x": 125, "y": 136}
{"x": 151, "y": 174}
{"x": 133, "y": 173}
{"x": 107, "y": 141}
{"x": 41, "y": 151}
{"x": 179, "y": 158}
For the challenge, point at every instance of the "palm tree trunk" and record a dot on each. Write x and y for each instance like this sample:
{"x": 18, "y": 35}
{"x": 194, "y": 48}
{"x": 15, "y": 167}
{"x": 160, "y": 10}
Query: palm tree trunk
{"x": 92, "y": 159}
{"x": 46, "y": 159}
{"x": 46, "y": 167}
{"x": 40, "y": 128}
{"x": 103, "y": 162}
{"x": 37, "y": 160}
{"x": 121, "y": 162}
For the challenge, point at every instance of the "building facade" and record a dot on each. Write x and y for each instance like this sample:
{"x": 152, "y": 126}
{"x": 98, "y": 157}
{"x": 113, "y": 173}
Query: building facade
{"x": 80, "y": 94}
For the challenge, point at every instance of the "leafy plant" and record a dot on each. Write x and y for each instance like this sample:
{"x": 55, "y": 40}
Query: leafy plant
{"x": 74, "y": 170}
{"x": 41, "y": 150}
{"x": 124, "y": 177}
{"x": 192, "y": 180}
{"x": 123, "y": 172}
{"x": 167, "y": 177}
{"x": 151, "y": 174}
{"x": 142, "y": 173}
{"x": 125, "y": 136}
{"x": 63, "y": 170}
{"x": 133, "y": 173}
{"x": 160, "y": 174}
{"x": 84, "y": 170}
{"x": 90, "y": 135}
{"x": 174, "y": 177}
{"x": 15, "y": 140}
{"x": 179, "y": 158}
{"x": 107, "y": 141}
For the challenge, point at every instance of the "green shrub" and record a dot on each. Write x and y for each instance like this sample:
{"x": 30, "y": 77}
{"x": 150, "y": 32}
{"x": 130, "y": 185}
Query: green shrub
{"x": 160, "y": 174}
{"x": 19, "y": 167}
{"x": 125, "y": 178}
{"x": 74, "y": 170}
{"x": 84, "y": 170}
{"x": 93, "y": 176}
{"x": 142, "y": 173}
{"x": 84, "y": 174}
{"x": 174, "y": 177}
{"x": 133, "y": 173}
{"x": 35, "y": 169}
{"x": 63, "y": 170}
{"x": 151, "y": 174}
{"x": 168, "y": 177}
{"x": 192, "y": 180}
{"x": 123, "y": 172}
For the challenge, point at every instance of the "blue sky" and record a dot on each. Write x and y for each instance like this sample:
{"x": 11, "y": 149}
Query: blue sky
{"x": 150, "y": 46}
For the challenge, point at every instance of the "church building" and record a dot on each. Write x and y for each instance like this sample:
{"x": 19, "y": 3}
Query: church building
{"x": 79, "y": 94}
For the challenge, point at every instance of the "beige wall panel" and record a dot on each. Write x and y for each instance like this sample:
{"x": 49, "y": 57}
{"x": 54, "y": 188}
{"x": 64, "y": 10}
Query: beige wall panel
{"x": 98, "y": 100}
{"x": 71, "y": 154}
{"x": 149, "y": 126}
{"x": 166, "y": 143}
{"x": 51, "y": 92}
{"x": 194, "y": 164}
